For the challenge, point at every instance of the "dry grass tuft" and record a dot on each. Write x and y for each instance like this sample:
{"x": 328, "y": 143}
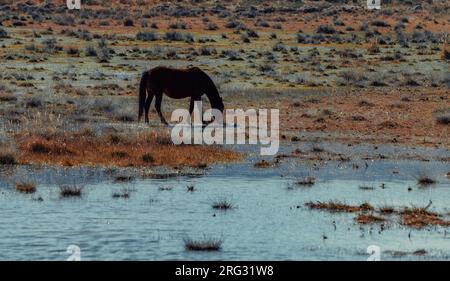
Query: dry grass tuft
{"x": 386, "y": 210}
{"x": 306, "y": 181}
{"x": 123, "y": 178}
{"x": 266, "y": 164}
{"x": 443, "y": 116}
{"x": 335, "y": 206}
{"x": 446, "y": 52}
{"x": 368, "y": 219}
{"x": 26, "y": 187}
{"x": 70, "y": 191}
{"x": 417, "y": 217}
{"x": 124, "y": 193}
{"x": 205, "y": 244}
{"x": 222, "y": 204}
{"x": 7, "y": 157}
{"x": 425, "y": 180}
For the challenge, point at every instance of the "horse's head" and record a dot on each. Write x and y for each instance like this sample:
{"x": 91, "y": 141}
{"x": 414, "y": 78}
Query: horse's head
{"x": 216, "y": 102}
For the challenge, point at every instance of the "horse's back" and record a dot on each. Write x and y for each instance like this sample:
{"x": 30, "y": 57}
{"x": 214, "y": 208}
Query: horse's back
{"x": 177, "y": 83}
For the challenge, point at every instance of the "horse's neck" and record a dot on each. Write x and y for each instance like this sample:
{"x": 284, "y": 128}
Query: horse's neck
{"x": 212, "y": 95}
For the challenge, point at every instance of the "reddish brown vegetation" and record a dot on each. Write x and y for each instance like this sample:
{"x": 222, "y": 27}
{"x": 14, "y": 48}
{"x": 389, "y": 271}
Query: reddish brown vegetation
{"x": 368, "y": 219}
{"x": 26, "y": 187}
{"x": 116, "y": 150}
{"x": 421, "y": 217}
{"x": 334, "y": 206}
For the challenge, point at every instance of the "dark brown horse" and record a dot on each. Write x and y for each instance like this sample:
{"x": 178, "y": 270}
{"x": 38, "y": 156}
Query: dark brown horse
{"x": 177, "y": 84}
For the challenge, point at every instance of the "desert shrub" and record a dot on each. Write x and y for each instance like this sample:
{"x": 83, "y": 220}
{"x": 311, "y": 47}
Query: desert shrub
{"x": 73, "y": 51}
{"x": 245, "y": 38}
{"x": 446, "y": 53}
{"x": 50, "y": 46}
{"x": 6, "y": 96}
{"x": 262, "y": 23}
{"x": 147, "y": 158}
{"x": 125, "y": 116}
{"x": 443, "y": 116}
{"x": 63, "y": 19}
{"x": 347, "y": 53}
{"x": 231, "y": 55}
{"x": 103, "y": 52}
{"x": 212, "y": 26}
{"x": 144, "y": 23}
{"x": 364, "y": 27}
{"x": 90, "y": 51}
{"x": 402, "y": 39}
{"x": 352, "y": 77}
{"x": 33, "y": 102}
{"x": 303, "y": 38}
{"x": 104, "y": 105}
{"x": 399, "y": 26}
{"x": 326, "y": 29}
{"x": 207, "y": 51}
{"x": 277, "y": 26}
{"x": 373, "y": 49}
{"x": 423, "y": 37}
{"x": 408, "y": 80}
{"x": 252, "y": 34}
{"x": 379, "y": 23}
{"x": 146, "y": 36}
{"x": 404, "y": 20}
{"x": 178, "y": 36}
{"x": 279, "y": 47}
{"x": 128, "y": 22}
{"x": 84, "y": 35}
{"x": 178, "y": 25}
{"x": 232, "y": 24}
{"x": 3, "y": 33}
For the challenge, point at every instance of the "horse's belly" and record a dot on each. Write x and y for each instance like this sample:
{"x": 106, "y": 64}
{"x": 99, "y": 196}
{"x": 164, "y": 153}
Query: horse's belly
{"x": 177, "y": 93}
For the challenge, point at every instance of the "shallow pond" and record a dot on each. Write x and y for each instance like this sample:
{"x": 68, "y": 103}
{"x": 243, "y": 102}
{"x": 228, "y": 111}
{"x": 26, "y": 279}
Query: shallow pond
{"x": 269, "y": 220}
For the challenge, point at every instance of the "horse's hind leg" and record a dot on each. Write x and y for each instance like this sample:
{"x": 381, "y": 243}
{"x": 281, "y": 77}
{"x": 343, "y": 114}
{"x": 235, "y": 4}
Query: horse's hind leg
{"x": 148, "y": 102}
{"x": 158, "y": 108}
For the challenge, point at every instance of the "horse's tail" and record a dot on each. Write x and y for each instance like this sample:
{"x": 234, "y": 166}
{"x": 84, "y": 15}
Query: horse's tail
{"x": 142, "y": 93}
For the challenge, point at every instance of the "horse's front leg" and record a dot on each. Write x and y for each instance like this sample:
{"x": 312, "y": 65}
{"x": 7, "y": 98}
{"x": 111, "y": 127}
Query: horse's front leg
{"x": 191, "y": 105}
{"x": 147, "y": 106}
{"x": 158, "y": 109}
